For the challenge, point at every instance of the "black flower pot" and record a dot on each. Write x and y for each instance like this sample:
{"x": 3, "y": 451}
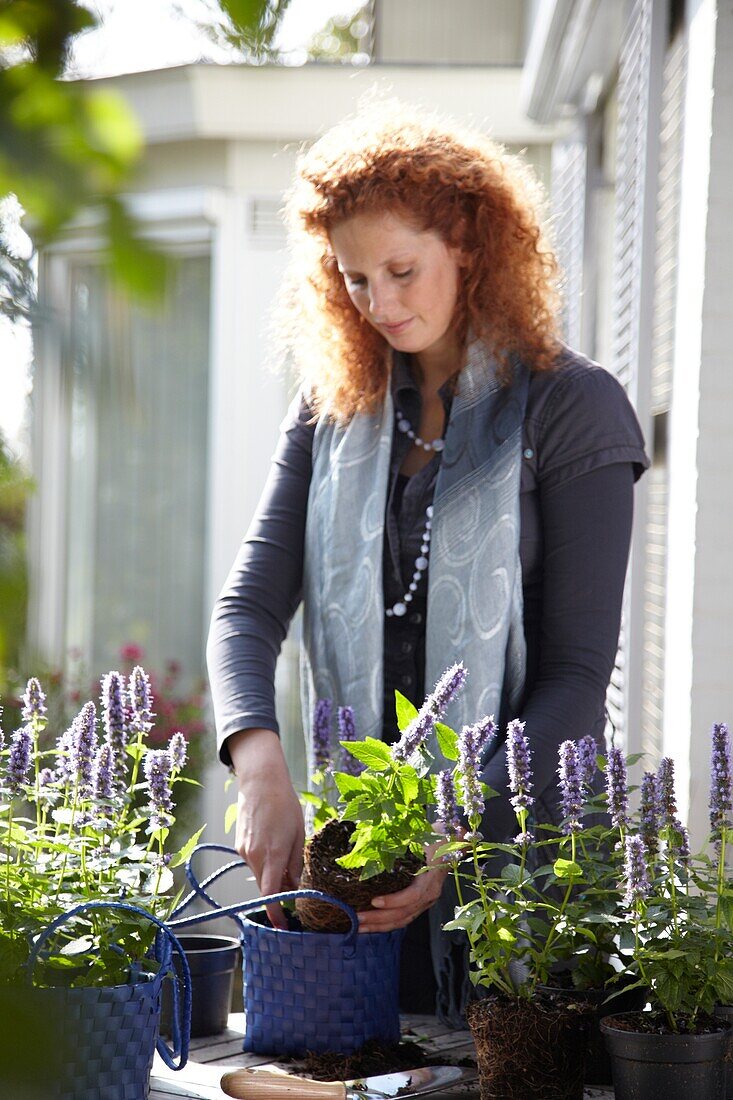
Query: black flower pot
{"x": 726, "y": 1013}
{"x": 213, "y": 960}
{"x": 667, "y": 1066}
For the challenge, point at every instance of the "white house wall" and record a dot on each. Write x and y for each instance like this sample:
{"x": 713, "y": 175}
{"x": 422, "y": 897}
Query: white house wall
{"x": 711, "y": 686}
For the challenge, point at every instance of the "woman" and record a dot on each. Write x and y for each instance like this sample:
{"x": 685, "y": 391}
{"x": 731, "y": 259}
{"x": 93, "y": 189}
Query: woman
{"x": 451, "y": 483}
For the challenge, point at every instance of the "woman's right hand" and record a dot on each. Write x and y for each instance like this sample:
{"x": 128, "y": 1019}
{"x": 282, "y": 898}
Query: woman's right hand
{"x": 270, "y": 828}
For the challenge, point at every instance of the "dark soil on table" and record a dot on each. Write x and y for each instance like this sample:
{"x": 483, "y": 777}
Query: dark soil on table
{"x": 655, "y": 1023}
{"x": 370, "y": 1060}
{"x": 321, "y": 872}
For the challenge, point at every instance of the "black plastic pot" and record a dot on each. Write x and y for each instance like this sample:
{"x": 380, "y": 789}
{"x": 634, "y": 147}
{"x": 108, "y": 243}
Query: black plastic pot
{"x": 726, "y": 1013}
{"x": 598, "y": 1060}
{"x": 665, "y": 1067}
{"x": 213, "y": 960}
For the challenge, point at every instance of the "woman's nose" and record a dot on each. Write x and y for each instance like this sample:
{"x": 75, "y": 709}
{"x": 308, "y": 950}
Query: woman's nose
{"x": 381, "y": 301}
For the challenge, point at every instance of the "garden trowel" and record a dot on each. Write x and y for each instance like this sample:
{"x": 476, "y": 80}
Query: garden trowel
{"x": 255, "y": 1084}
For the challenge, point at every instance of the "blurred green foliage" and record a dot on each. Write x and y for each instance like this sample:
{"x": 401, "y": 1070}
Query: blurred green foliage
{"x": 67, "y": 146}
{"x": 14, "y": 488}
{"x": 248, "y": 26}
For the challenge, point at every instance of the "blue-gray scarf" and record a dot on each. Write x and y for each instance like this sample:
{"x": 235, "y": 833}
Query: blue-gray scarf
{"x": 474, "y": 581}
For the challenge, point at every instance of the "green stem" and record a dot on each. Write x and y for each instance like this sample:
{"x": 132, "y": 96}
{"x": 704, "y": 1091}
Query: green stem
{"x": 558, "y": 917}
{"x": 7, "y": 863}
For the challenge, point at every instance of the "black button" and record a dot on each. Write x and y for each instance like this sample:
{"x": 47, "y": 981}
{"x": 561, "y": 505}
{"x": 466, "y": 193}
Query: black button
{"x": 406, "y": 681}
{"x": 415, "y": 617}
{"x": 407, "y": 647}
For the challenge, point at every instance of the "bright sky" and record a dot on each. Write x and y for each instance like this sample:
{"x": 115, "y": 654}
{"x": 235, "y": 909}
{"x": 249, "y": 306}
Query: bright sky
{"x": 137, "y": 35}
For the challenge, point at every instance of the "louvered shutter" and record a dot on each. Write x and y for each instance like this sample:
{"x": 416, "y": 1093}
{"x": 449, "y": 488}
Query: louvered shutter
{"x": 665, "y": 294}
{"x": 639, "y": 89}
{"x": 569, "y": 181}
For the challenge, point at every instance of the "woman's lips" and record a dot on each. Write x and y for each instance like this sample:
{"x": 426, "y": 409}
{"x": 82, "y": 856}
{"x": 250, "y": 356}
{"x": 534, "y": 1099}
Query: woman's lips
{"x": 395, "y": 330}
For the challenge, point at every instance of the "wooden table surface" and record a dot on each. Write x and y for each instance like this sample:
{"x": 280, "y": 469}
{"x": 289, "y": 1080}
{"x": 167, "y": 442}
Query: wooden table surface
{"x": 211, "y": 1057}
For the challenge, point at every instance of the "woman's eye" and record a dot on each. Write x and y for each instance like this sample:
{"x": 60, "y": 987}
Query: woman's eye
{"x": 354, "y": 282}
{"x": 402, "y": 274}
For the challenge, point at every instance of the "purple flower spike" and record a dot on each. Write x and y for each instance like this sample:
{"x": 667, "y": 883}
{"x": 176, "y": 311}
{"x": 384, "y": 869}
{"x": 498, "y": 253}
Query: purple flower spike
{"x": 347, "y": 732}
{"x": 84, "y": 747}
{"x": 178, "y": 749}
{"x": 683, "y": 851}
{"x": 650, "y": 815}
{"x": 322, "y": 734}
{"x": 617, "y": 789}
{"x": 587, "y": 753}
{"x": 720, "y": 782}
{"x": 636, "y": 876}
{"x": 102, "y": 774}
{"x": 469, "y": 767}
{"x": 445, "y": 794}
{"x": 157, "y": 767}
{"x": 570, "y": 788}
{"x": 34, "y": 702}
{"x": 446, "y": 689}
{"x": 114, "y": 720}
{"x": 483, "y": 732}
{"x": 667, "y": 798}
{"x": 518, "y": 762}
{"x": 141, "y": 701}
{"x": 64, "y": 752}
{"x": 19, "y": 760}
{"x": 414, "y": 736}
{"x": 46, "y": 777}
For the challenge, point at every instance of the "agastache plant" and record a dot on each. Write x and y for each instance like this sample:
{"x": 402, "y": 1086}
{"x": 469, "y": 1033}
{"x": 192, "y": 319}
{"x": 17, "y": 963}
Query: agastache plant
{"x": 650, "y": 813}
{"x": 448, "y": 815}
{"x": 71, "y": 832}
{"x": 587, "y": 761}
{"x": 469, "y": 768}
{"x": 114, "y": 721}
{"x": 347, "y": 732}
{"x": 617, "y": 789}
{"x": 423, "y": 724}
{"x": 571, "y": 792}
{"x": 322, "y": 734}
{"x": 391, "y": 798}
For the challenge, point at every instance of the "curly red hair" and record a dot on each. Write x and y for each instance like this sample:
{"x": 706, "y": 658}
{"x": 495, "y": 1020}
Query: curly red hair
{"x": 438, "y": 177}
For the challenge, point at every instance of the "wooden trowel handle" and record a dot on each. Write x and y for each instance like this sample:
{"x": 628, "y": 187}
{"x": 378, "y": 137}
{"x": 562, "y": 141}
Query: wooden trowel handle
{"x": 253, "y": 1084}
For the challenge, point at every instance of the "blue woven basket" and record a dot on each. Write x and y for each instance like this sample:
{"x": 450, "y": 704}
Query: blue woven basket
{"x": 318, "y": 991}
{"x": 102, "y": 1040}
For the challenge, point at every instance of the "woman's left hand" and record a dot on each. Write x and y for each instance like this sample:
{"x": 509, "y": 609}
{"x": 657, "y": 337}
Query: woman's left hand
{"x": 390, "y": 911}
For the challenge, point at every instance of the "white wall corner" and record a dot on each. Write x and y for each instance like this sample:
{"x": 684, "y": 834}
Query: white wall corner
{"x": 682, "y": 739}
{"x": 712, "y": 637}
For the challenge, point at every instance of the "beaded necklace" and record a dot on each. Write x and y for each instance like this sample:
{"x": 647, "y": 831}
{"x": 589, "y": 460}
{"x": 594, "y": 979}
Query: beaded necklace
{"x": 399, "y": 608}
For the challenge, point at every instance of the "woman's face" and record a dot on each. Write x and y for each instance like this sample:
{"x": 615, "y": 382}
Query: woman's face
{"x": 403, "y": 280}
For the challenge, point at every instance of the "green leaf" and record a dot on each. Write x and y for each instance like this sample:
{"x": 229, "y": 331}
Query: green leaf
{"x": 447, "y": 741}
{"x": 375, "y": 754}
{"x": 567, "y": 869}
{"x": 406, "y": 711}
{"x": 348, "y": 783}
{"x": 409, "y": 784}
{"x": 182, "y": 855}
{"x": 230, "y": 816}
{"x": 113, "y": 127}
{"x": 78, "y": 946}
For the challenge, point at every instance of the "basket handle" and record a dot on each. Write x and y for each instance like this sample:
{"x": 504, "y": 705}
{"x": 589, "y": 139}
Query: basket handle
{"x": 233, "y": 911}
{"x": 165, "y": 943}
